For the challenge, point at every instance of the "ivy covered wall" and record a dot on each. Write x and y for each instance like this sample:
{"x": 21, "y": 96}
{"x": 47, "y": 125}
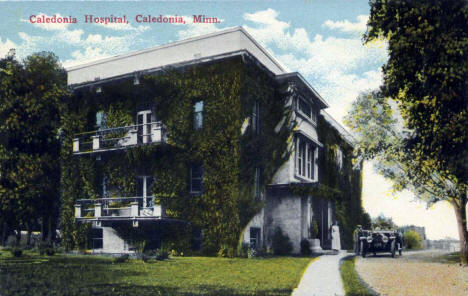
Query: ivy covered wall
{"x": 227, "y": 146}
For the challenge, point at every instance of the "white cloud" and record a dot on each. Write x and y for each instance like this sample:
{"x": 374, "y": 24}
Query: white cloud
{"x": 89, "y": 54}
{"x": 347, "y": 26}
{"x": 332, "y": 64}
{"x": 6, "y": 46}
{"x": 196, "y": 29}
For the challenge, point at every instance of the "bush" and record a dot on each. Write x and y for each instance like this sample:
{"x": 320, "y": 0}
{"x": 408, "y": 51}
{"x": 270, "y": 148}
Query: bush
{"x": 161, "y": 254}
{"x": 121, "y": 259}
{"x": 305, "y": 247}
{"x": 280, "y": 242}
{"x": 412, "y": 240}
{"x": 226, "y": 251}
{"x": 16, "y": 252}
{"x": 45, "y": 248}
{"x": 314, "y": 229}
{"x": 243, "y": 250}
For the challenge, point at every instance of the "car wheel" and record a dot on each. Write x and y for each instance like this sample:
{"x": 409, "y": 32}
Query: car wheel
{"x": 393, "y": 249}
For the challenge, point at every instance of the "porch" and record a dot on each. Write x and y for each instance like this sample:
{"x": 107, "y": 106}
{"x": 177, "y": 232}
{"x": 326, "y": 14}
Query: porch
{"x": 119, "y": 137}
{"x": 108, "y": 210}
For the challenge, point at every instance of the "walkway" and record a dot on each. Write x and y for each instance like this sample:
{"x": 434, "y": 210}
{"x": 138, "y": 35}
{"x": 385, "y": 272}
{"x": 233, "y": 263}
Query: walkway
{"x": 322, "y": 277}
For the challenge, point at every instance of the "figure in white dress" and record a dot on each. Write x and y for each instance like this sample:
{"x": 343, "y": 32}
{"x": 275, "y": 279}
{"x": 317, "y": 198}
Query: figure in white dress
{"x": 335, "y": 234}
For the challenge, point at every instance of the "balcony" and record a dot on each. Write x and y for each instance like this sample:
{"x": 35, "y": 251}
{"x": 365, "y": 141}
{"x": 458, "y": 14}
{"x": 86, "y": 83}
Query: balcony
{"x": 114, "y": 209}
{"x": 119, "y": 138}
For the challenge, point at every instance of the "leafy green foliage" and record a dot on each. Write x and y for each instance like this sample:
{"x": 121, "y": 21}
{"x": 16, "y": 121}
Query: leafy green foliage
{"x": 412, "y": 240}
{"x": 426, "y": 74}
{"x": 31, "y": 97}
{"x": 383, "y": 223}
{"x": 376, "y": 124}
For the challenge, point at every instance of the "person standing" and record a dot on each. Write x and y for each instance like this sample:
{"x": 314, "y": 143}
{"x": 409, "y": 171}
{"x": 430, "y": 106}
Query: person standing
{"x": 335, "y": 233}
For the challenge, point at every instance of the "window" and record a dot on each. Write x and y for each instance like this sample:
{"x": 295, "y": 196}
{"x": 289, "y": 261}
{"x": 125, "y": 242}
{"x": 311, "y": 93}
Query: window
{"x": 256, "y": 117}
{"x": 307, "y": 110}
{"x": 254, "y": 237}
{"x": 196, "y": 179}
{"x": 257, "y": 183}
{"x": 144, "y": 126}
{"x": 100, "y": 120}
{"x": 198, "y": 115}
{"x": 96, "y": 236}
{"x": 305, "y": 158}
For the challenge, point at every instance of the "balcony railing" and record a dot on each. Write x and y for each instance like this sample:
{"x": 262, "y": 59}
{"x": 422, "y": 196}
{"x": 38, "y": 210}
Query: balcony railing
{"x": 119, "y": 137}
{"x": 118, "y": 208}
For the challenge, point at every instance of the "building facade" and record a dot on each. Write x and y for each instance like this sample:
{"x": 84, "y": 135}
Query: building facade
{"x": 210, "y": 131}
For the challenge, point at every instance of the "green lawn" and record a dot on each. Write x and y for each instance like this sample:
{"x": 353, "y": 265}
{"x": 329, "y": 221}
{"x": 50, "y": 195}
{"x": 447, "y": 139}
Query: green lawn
{"x": 351, "y": 282}
{"x": 95, "y": 275}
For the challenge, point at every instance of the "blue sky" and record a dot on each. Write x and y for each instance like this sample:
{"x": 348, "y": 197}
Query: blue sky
{"x": 320, "y": 39}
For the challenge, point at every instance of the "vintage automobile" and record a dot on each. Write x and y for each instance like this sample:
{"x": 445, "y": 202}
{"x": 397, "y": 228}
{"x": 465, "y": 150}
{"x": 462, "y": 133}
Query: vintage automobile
{"x": 373, "y": 241}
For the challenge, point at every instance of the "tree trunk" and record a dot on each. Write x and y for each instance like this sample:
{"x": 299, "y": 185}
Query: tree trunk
{"x": 18, "y": 236}
{"x": 460, "y": 213}
{"x": 49, "y": 230}
{"x": 28, "y": 242}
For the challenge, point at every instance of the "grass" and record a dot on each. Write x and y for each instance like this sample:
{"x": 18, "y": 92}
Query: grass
{"x": 351, "y": 282}
{"x": 96, "y": 275}
{"x": 450, "y": 258}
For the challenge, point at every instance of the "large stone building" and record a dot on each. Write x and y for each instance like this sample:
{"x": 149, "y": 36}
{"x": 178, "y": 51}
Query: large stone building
{"x": 301, "y": 196}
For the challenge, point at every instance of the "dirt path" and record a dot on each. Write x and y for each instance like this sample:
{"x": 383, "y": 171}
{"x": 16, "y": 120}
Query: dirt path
{"x": 414, "y": 274}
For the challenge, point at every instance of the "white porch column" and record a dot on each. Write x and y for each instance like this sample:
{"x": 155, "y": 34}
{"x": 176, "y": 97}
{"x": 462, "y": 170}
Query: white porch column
{"x": 76, "y": 145}
{"x": 134, "y": 209}
{"x": 156, "y": 133}
{"x": 97, "y": 210}
{"x": 96, "y": 142}
{"x": 77, "y": 211}
{"x": 133, "y": 137}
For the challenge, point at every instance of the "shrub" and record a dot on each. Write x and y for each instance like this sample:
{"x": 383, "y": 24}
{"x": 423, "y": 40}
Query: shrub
{"x": 280, "y": 242}
{"x": 305, "y": 247}
{"x": 161, "y": 254}
{"x": 16, "y": 252}
{"x": 412, "y": 240}
{"x": 121, "y": 259}
{"x": 314, "y": 229}
{"x": 226, "y": 251}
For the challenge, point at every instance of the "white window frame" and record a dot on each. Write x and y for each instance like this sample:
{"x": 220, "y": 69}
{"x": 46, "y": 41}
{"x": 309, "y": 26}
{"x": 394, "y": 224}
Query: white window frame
{"x": 306, "y": 159}
{"x": 200, "y": 113}
{"x": 146, "y": 126}
{"x": 312, "y": 117}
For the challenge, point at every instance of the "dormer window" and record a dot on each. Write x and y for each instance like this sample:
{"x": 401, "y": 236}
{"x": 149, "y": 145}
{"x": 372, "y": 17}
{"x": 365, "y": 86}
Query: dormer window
{"x": 306, "y": 109}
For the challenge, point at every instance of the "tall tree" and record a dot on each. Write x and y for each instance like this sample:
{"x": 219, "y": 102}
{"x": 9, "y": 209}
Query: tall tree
{"x": 30, "y": 96}
{"x": 381, "y": 136}
{"x": 427, "y": 74}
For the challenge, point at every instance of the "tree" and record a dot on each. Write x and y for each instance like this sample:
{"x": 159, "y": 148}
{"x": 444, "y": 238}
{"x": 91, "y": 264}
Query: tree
{"x": 380, "y": 136}
{"x": 30, "y": 96}
{"x": 412, "y": 240}
{"x": 383, "y": 222}
{"x": 427, "y": 75}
